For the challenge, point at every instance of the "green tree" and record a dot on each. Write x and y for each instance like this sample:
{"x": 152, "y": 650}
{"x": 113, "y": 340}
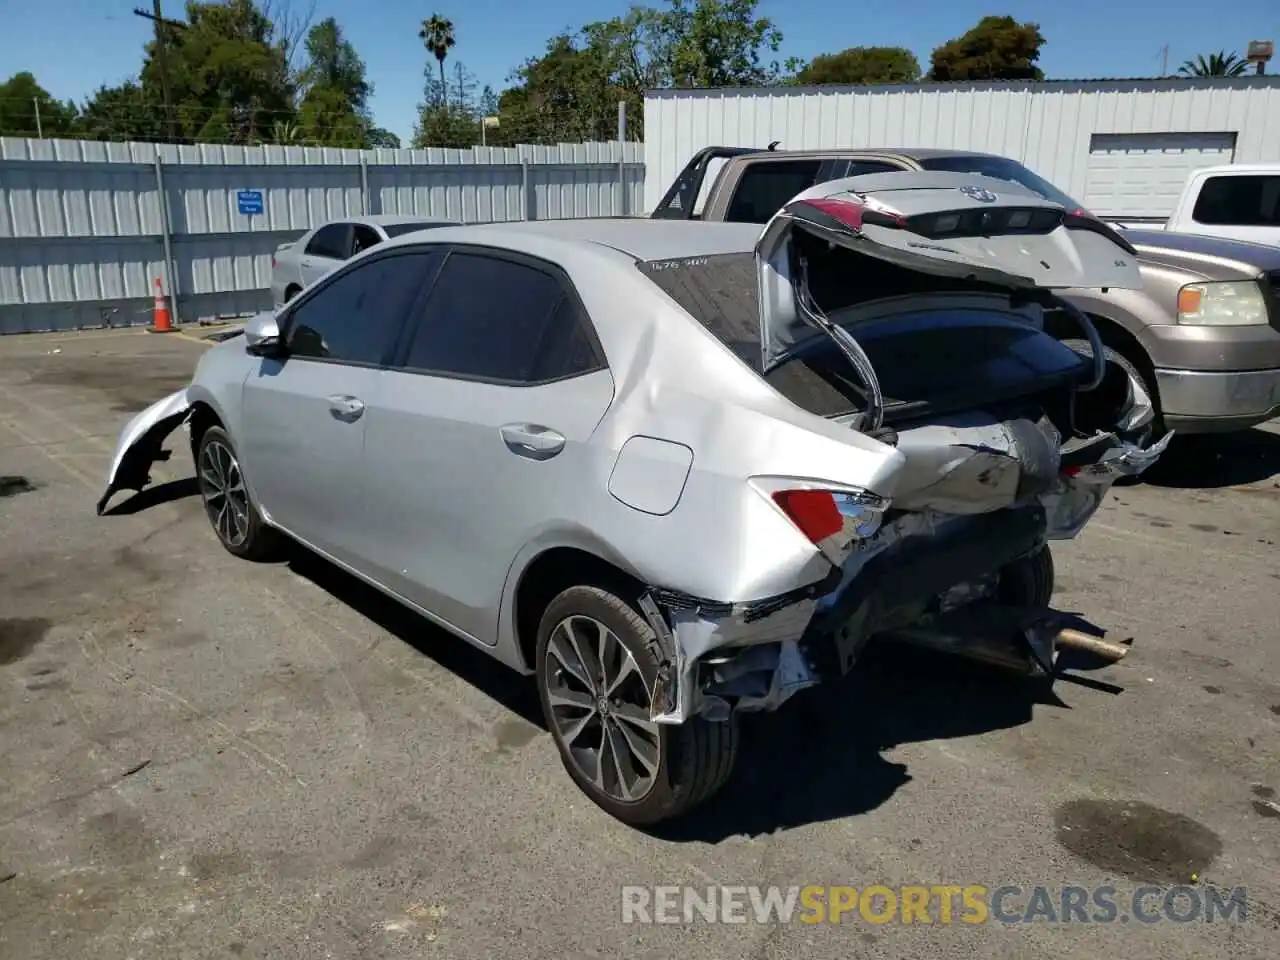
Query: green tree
{"x": 717, "y": 43}
{"x": 445, "y": 123}
{"x": 20, "y": 99}
{"x": 437, "y": 36}
{"x": 228, "y": 72}
{"x": 1220, "y": 64}
{"x": 124, "y": 112}
{"x": 334, "y": 107}
{"x": 571, "y": 91}
{"x": 862, "y": 65}
{"x": 332, "y": 62}
{"x": 998, "y": 48}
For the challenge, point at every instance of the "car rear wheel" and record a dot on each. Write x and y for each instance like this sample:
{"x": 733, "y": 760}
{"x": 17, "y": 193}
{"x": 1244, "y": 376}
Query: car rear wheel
{"x": 235, "y": 519}
{"x": 291, "y": 292}
{"x": 597, "y": 663}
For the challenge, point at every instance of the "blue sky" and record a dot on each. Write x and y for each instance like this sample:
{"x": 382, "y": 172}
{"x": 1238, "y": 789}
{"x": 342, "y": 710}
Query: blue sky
{"x": 73, "y": 46}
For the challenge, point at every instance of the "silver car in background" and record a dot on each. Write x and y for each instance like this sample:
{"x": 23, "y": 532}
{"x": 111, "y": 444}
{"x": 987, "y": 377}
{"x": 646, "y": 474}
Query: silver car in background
{"x": 302, "y": 262}
{"x": 681, "y": 470}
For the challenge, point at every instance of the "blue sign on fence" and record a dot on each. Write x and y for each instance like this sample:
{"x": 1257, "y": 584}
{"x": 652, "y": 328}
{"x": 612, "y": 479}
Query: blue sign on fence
{"x": 249, "y": 201}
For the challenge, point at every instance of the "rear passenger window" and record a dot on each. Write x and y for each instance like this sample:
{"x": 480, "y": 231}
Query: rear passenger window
{"x": 767, "y": 185}
{"x": 330, "y": 241}
{"x": 1239, "y": 201}
{"x": 494, "y": 319}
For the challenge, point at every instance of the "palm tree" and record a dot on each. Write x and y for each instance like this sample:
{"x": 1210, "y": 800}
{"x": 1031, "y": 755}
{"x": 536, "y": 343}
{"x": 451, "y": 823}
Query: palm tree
{"x": 1220, "y": 64}
{"x": 437, "y": 36}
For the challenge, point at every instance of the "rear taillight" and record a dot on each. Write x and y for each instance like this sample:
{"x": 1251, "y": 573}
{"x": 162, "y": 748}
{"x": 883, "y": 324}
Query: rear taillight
{"x": 831, "y": 517}
{"x": 273, "y": 261}
{"x": 813, "y": 511}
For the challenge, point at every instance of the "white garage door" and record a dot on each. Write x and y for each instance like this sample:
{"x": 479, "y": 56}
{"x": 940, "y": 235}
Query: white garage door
{"x": 1142, "y": 174}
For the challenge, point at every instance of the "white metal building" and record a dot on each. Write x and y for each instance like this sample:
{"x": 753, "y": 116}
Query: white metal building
{"x": 1122, "y": 147}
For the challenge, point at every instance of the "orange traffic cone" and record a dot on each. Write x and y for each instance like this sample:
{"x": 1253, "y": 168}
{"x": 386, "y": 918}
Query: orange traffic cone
{"x": 160, "y": 322}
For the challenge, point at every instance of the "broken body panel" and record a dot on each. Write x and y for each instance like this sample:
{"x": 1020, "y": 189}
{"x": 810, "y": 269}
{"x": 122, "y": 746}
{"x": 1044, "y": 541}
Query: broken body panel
{"x": 980, "y": 489}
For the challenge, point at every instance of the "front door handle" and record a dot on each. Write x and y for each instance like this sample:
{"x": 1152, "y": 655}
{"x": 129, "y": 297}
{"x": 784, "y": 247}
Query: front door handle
{"x": 345, "y": 408}
{"x": 531, "y": 440}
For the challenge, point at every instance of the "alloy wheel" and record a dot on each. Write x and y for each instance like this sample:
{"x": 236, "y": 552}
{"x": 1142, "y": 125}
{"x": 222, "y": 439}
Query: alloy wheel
{"x": 600, "y": 707}
{"x": 225, "y": 498}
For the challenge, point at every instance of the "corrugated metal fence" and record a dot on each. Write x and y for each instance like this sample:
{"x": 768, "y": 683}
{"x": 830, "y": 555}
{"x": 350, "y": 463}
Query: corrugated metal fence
{"x": 86, "y": 227}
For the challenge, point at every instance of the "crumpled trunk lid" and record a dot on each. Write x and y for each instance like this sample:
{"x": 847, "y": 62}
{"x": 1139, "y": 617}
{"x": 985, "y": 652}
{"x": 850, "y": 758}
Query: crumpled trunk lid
{"x": 957, "y": 233}
{"x": 953, "y": 225}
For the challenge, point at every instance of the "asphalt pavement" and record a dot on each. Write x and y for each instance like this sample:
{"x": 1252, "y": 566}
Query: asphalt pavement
{"x": 203, "y": 757}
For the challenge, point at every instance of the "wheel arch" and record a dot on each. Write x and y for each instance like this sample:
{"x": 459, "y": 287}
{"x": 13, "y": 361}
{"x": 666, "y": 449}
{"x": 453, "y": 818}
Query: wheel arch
{"x": 543, "y": 571}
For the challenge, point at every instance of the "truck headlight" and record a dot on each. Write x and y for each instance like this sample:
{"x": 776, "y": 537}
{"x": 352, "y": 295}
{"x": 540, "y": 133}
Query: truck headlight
{"x": 1234, "y": 304}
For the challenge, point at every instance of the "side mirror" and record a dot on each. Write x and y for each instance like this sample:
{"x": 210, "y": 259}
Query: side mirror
{"x": 262, "y": 336}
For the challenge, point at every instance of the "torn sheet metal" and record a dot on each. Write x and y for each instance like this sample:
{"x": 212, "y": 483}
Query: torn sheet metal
{"x": 1141, "y": 410}
{"x": 1078, "y": 497}
{"x": 762, "y": 677}
{"x": 139, "y": 444}
{"x": 971, "y": 463}
{"x": 694, "y": 632}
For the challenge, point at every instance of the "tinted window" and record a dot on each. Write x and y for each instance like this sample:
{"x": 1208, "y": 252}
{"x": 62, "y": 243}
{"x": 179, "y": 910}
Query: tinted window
{"x": 1002, "y": 168}
{"x": 497, "y": 319}
{"x": 1239, "y": 201}
{"x": 767, "y": 185}
{"x": 363, "y": 237}
{"x": 858, "y": 168}
{"x": 396, "y": 229}
{"x": 329, "y": 241}
{"x": 357, "y": 316}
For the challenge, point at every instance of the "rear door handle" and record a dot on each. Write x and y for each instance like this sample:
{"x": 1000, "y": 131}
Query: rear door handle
{"x": 345, "y": 408}
{"x": 531, "y": 440}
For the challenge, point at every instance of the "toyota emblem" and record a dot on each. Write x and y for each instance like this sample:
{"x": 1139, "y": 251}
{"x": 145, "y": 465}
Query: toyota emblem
{"x": 979, "y": 194}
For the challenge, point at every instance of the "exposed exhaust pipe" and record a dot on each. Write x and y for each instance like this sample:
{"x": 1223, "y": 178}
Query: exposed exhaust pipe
{"x": 1029, "y": 651}
{"x": 1108, "y": 650}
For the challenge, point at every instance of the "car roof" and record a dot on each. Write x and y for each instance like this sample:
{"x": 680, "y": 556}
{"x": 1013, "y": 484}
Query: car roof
{"x": 637, "y": 237}
{"x": 911, "y": 153}
{"x": 391, "y": 219}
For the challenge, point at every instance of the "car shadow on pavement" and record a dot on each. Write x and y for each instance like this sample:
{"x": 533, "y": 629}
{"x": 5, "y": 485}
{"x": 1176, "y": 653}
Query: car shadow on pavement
{"x": 476, "y": 667}
{"x": 821, "y": 757}
{"x": 818, "y": 758}
{"x": 1206, "y": 461}
{"x": 161, "y": 493}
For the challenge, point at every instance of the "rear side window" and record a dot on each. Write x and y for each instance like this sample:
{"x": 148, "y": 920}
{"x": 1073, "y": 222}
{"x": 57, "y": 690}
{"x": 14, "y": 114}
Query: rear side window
{"x": 396, "y": 229}
{"x": 1239, "y": 201}
{"x": 767, "y": 185}
{"x": 720, "y": 293}
{"x": 859, "y": 168}
{"x": 329, "y": 241}
{"x": 363, "y": 237}
{"x": 490, "y": 318}
{"x": 357, "y": 317}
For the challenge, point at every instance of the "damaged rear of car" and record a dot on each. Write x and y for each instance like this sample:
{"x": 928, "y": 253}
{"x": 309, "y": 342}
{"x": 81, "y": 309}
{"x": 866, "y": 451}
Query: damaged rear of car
{"x": 911, "y": 308}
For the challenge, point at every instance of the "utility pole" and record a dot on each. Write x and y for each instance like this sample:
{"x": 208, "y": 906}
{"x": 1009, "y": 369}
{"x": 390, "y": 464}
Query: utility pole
{"x": 162, "y": 60}
{"x": 35, "y": 101}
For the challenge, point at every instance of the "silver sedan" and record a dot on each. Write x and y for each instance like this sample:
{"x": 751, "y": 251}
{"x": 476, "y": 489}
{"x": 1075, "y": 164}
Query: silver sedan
{"x": 300, "y": 263}
{"x": 680, "y": 470}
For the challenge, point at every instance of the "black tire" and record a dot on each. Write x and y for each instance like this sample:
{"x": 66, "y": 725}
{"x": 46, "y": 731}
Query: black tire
{"x": 695, "y": 758}
{"x": 1028, "y": 581}
{"x": 259, "y": 541}
{"x": 291, "y": 292}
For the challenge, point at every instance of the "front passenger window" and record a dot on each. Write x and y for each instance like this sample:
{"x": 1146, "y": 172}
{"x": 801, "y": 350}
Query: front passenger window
{"x": 357, "y": 317}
